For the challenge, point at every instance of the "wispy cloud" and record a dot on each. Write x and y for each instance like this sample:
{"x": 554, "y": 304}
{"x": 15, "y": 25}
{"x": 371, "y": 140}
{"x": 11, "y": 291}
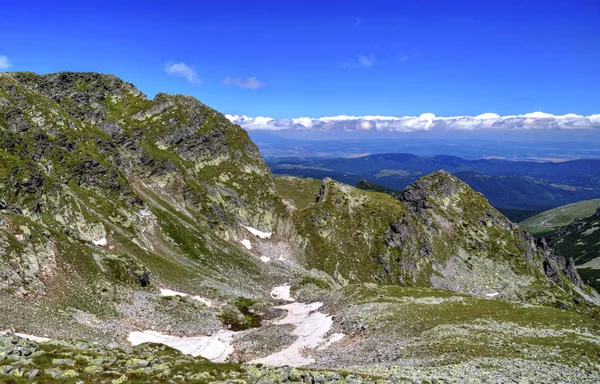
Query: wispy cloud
{"x": 182, "y": 70}
{"x": 401, "y": 58}
{"x": 4, "y": 63}
{"x": 362, "y": 61}
{"x": 424, "y": 122}
{"x": 250, "y": 82}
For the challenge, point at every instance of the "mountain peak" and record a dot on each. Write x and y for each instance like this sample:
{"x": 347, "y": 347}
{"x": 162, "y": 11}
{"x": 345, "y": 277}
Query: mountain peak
{"x": 432, "y": 189}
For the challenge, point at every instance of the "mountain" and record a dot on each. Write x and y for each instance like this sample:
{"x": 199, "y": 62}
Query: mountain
{"x": 517, "y": 187}
{"x": 572, "y": 231}
{"x": 372, "y": 187}
{"x": 557, "y": 218}
{"x": 580, "y": 240}
{"x": 146, "y": 240}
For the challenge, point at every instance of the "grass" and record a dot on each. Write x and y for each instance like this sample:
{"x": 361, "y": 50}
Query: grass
{"x": 456, "y": 328}
{"x": 302, "y": 191}
{"x": 559, "y": 217}
{"x": 246, "y": 320}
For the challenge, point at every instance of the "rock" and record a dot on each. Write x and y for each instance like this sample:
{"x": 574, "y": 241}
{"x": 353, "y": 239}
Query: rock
{"x": 144, "y": 278}
{"x": 6, "y": 369}
{"x": 61, "y": 374}
{"x": 136, "y": 363}
{"x": 120, "y": 380}
{"x": 33, "y": 373}
{"x": 93, "y": 369}
{"x": 68, "y": 362}
{"x": 16, "y": 372}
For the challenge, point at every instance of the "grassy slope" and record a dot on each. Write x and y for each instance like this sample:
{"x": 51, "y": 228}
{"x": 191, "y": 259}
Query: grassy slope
{"x": 299, "y": 190}
{"x": 553, "y": 219}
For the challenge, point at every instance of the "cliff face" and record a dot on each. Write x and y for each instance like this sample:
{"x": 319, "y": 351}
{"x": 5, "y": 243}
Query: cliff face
{"x": 102, "y": 186}
{"x": 439, "y": 233}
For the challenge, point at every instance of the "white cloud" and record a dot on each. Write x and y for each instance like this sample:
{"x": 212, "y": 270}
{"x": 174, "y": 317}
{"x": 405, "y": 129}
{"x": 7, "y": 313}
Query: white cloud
{"x": 362, "y": 61}
{"x": 250, "y": 82}
{"x": 182, "y": 70}
{"x": 424, "y": 122}
{"x": 4, "y": 63}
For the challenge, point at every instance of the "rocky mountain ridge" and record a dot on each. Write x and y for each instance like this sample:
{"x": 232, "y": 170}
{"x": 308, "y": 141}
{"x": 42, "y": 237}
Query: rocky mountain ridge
{"x": 120, "y": 214}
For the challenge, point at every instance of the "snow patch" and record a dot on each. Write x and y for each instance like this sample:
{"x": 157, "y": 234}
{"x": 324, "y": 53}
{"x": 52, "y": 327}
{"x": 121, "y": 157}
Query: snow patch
{"x": 264, "y": 259}
{"x": 246, "y": 243}
{"x": 37, "y": 339}
{"x": 282, "y": 292}
{"x": 311, "y": 327}
{"x": 101, "y": 243}
{"x": 256, "y": 232}
{"x": 590, "y": 231}
{"x": 169, "y": 293}
{"x": 215, "y": 348}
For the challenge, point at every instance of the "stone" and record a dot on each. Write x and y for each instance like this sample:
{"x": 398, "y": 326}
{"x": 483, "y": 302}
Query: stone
{"x": 33, "y": 373}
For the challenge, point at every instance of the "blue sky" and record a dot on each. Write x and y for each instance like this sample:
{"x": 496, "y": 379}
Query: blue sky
{"x": 330, "y": 58}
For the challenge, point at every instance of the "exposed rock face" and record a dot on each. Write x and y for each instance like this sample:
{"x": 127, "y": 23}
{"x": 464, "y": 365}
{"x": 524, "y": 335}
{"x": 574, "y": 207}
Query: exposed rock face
{"x": 439, "y": 233}
{"x": 100, "y": 173}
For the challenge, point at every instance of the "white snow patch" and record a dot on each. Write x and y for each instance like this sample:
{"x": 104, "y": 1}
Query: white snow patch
{"x": 264, "y": 259}
{"x": 101, "y": 243}
{"x": 590, "y": 231}
{"x": 256, "y": 232}
{"x": 38, "y": 339}
{"x": 170, "y": 293}
{"x": 310, "y": 328}
{"x": 215, "y": 348}
{"x": 282, "y": 292}
{"x": 246, "y": 243}
{"x": 493, "y": 294}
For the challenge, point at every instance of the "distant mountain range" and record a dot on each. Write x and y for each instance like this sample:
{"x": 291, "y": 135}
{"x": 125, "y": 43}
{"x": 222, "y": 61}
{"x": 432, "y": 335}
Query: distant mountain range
{"x": 512, "y": 186}
{"x": 520, "y": 146}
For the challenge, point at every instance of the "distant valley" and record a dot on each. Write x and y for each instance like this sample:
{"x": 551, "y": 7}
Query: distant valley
{"x": 522, "y": 146}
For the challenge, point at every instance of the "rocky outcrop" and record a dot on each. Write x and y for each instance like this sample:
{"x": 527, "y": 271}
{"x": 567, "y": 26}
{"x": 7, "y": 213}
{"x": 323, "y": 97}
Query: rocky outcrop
{"x": 437, "y": 233}
{"x": 120, "y": 192}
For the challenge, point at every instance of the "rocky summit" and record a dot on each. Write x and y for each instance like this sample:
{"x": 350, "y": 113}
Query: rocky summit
{"x": 146, "y": 240}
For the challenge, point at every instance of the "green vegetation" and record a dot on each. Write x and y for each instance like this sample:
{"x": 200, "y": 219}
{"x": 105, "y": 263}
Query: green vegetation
{"x": 243, "y": 318}
{"x": 450, "y": 328}
{"x": 372, "y": 187}
{"x": 301, "y": 192}
{"x": 549, "y": 221}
